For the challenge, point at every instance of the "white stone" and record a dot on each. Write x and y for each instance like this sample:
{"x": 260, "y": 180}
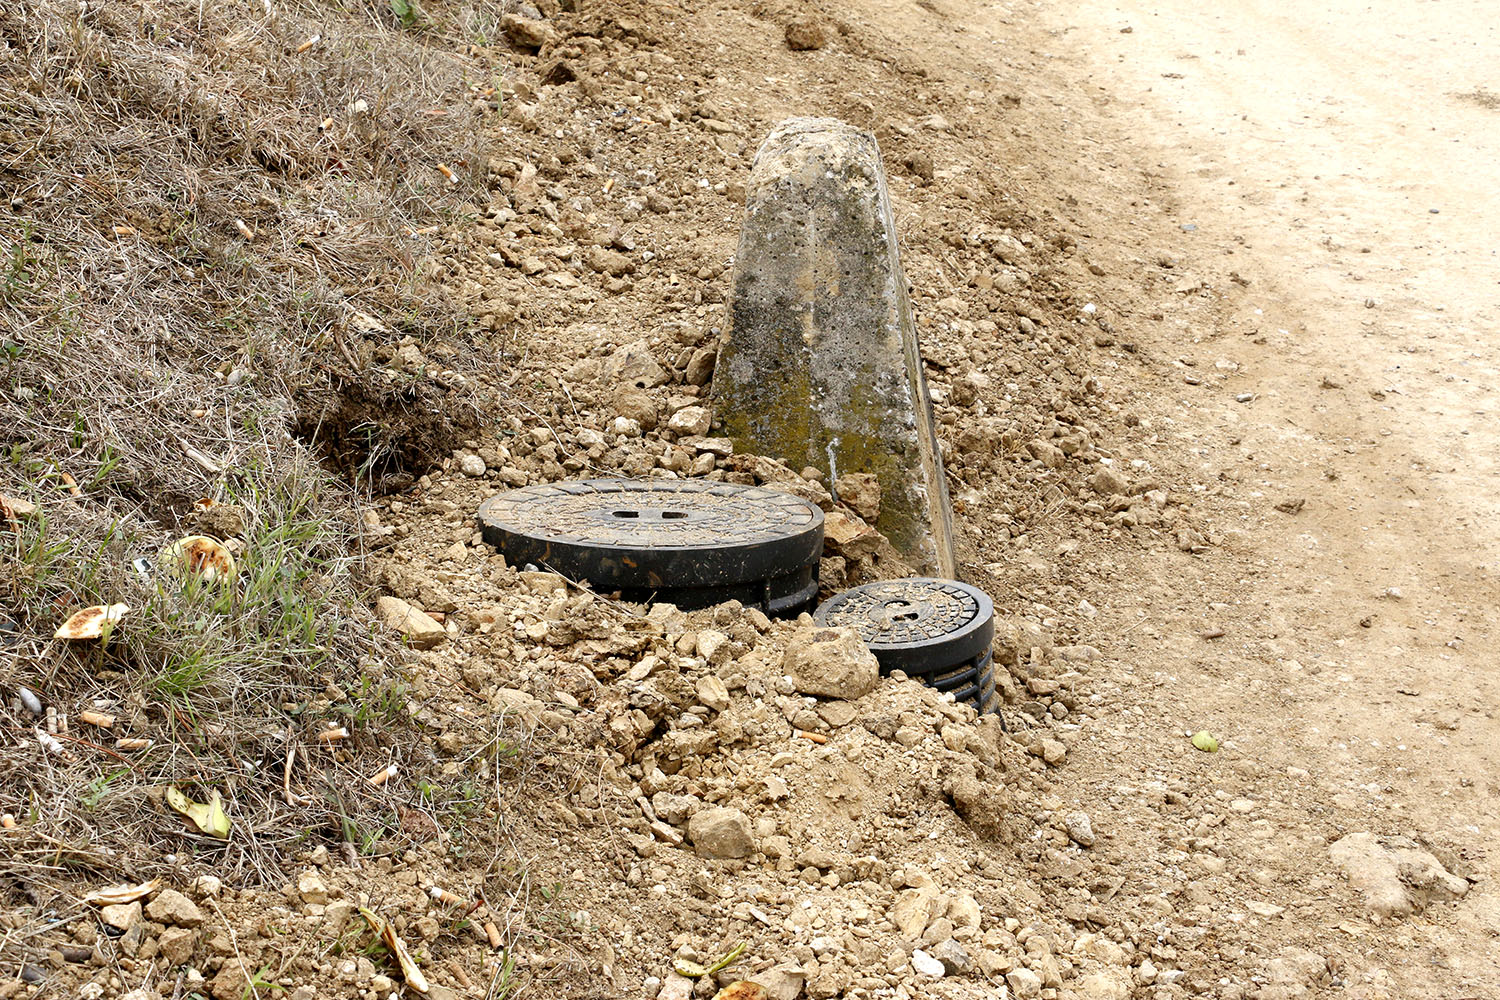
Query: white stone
{"x": 689, "y": 420}
{"x": 713, "y": 646}
{"x": 926, "y": 965}
{"x": 1080, "y": 829}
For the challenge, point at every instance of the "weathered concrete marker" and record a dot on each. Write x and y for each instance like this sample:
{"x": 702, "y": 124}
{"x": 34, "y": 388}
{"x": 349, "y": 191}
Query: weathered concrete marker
{"x": 821, "y": 366}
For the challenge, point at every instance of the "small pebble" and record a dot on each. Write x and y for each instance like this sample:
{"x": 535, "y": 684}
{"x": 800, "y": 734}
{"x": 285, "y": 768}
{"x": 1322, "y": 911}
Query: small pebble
{"x": 1079, "y": 829}
{"x": 927, "y": 965}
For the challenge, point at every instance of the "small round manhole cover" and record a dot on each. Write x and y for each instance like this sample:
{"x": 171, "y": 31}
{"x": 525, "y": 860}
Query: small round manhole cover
{"x": 918, "y": 625}
{"x": 660, "y": 535}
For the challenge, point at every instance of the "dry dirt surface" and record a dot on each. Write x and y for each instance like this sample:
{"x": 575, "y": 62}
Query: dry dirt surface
{"x": 1204, "y": 296}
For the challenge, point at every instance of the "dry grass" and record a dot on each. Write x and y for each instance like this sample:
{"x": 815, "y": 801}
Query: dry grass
{"x": 214, "y": 224}
{"x": 215, "y": 229}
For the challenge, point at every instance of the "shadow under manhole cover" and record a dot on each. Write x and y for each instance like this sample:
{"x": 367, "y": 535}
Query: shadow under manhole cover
{"x": 692, "y": 543}
{"x": 937, "y": 630}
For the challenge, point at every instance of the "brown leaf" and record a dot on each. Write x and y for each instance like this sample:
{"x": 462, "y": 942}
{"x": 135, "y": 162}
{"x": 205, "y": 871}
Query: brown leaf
{"x": 418, "y": 825}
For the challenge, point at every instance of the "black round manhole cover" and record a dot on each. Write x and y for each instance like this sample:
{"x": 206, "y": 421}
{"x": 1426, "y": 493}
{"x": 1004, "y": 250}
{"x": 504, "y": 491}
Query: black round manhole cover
{"x": 937, "y": 630}
{"x": 688, "y": 541}
{"x": 919, "y": 625}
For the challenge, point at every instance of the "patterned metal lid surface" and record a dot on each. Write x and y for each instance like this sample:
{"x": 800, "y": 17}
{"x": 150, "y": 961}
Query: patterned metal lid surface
{"x": 656, "y": 532}
{"x": 918, "y": 625}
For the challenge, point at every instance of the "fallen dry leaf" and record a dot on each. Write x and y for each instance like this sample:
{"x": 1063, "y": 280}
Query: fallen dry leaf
{"x": 208, "y": 817}
{"x": 22, "y": 509}
{"x": 387, "y": 935}
{"x": 121, "y": 893}
{"x": 418, "y": 825}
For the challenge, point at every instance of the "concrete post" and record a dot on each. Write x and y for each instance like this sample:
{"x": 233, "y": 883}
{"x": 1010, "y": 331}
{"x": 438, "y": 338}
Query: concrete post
{"x": 821, "y": 366}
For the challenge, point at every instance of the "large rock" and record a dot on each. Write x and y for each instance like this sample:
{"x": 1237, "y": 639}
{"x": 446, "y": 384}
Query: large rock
{"x": 913, "y": 910}
{"x": 821, "y": 365}
{"x": 176, "y": 945}
{"x": 1396, "y": 879}
{"x": 121, "y": 916}
{"x": 954, "y": 956}
{"x": 832, "y": 662}
{"x": 636, "y": 404}
{"x": 806, "y": 34}
{"x": 312, "y": 888}
{"x": 861, "y": 491}
{"x": 927, "y": 965}
{"x": 721, "y": 833}
{"x": 419, "y": 627}
{"x": 689, "y": 420}
{"x": 232, "y": 982}
{"x": 174, "y": 909}
{"x": 848, "y": 536}
{"x": 784, "y": 982}
{"x": 1080, "y": 828}
{"x": 634, "y": 365}
{"x": 1024, "y": 984}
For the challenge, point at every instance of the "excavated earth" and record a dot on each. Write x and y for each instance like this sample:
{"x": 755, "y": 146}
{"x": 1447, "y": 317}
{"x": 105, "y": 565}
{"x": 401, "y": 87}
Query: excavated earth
{"x": 644, "y": 787}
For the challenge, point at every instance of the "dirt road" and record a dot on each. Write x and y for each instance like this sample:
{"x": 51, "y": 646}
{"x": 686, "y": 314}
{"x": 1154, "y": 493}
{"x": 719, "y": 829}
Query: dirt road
{"x": 1322, "y": 174}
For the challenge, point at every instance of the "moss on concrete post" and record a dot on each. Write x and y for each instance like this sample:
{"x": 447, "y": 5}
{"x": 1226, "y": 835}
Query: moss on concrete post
{"x": 821, "y": 366}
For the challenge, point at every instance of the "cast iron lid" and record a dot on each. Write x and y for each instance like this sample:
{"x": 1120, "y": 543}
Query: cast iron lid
{"x": 657, "y": 533}
{"x": 919, "y": 625}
